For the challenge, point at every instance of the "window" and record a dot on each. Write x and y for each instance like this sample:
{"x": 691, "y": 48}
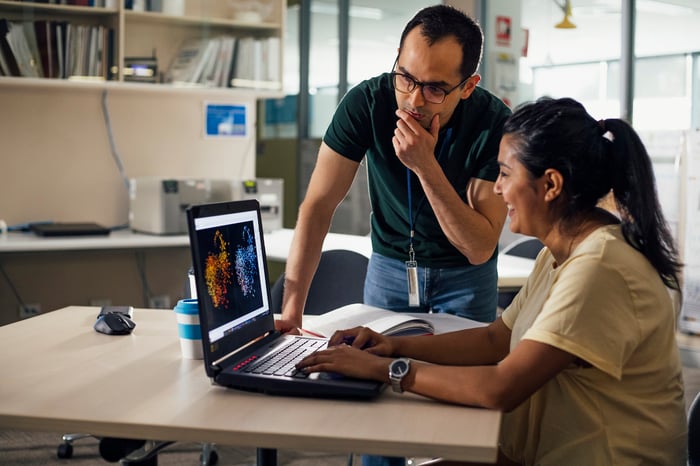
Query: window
{"x": 584, "y": 63}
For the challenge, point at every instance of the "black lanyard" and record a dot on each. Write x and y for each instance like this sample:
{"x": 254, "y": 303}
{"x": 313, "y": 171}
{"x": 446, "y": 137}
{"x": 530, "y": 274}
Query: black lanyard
{"x": 443, "y": 149}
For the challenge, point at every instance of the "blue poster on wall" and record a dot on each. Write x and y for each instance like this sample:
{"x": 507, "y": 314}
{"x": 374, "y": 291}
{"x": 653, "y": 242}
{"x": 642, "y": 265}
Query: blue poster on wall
{"x": 224, "y": 120}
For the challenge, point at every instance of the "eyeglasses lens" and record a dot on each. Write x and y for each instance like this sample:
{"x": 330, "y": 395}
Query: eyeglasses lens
{"x": 406, "y": 84}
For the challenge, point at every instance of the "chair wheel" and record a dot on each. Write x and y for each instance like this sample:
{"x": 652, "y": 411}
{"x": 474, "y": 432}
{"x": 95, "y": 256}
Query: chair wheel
{"x": 212, "y": 460}
{"x": 64, "y": 451}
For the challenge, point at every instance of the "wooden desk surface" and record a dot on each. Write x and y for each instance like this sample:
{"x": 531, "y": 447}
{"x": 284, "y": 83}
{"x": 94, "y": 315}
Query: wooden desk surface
{"x": 60, "y": 375}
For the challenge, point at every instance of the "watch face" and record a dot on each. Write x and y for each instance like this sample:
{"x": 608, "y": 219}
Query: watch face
{"x": 399, "y": 367}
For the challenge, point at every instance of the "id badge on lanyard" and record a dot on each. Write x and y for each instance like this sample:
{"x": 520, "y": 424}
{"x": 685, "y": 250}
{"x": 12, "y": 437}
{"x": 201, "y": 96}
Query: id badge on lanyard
{"x": 411, "y": 264}
{"x": 412, "y": 277}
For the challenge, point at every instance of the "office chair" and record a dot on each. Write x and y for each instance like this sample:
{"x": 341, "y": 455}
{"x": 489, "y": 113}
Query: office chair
{"x": 527, "y": 247}
{"x": 339, "y": 280}
{"x": 694, "y": 432}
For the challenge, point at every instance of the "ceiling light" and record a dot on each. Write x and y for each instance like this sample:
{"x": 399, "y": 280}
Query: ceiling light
{"x": 565, "y": 23}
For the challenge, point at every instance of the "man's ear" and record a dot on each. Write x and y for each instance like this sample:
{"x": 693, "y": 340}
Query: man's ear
{"x": 469, "y": 86}
{"x": 553, "y": 184}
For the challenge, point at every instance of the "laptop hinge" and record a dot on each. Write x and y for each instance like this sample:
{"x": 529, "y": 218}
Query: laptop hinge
{"x": 271, "y": 335}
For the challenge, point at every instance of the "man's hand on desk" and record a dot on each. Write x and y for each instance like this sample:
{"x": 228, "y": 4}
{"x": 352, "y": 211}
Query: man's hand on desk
{"x": 287, "y": 326}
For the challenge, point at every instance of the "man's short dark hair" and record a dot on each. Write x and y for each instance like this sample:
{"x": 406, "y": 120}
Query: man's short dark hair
{"x": 440, "y": 21}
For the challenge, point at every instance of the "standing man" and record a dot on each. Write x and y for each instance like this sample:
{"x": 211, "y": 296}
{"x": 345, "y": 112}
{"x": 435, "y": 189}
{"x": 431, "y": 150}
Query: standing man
{"x": 430, "y": 137}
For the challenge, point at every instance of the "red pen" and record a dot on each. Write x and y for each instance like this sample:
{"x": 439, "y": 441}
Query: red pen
{"x": 309, "y": 332}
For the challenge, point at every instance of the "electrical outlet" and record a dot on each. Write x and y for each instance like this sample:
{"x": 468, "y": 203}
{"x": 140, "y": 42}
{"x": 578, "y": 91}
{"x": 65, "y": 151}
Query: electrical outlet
{"x": 159, "y": 302}
{"x": 29, "y": 310}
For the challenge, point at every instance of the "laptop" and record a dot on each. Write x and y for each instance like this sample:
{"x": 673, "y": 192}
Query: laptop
{"x": 237, "y": 322}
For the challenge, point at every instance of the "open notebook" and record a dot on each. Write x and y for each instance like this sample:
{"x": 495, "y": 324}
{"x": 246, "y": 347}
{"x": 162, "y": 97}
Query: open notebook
{"x": 238, "y": 332}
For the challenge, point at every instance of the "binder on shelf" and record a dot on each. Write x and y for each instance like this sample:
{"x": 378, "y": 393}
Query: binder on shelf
{"x": 20, "y": 48}
{"x": 61, "y": 49}
{"x": 44, "y": 42}
{"x": 7, "y": 58}
{"x": 257, "y": 64}
{"x": 203, "y": 61}
{"x": 189, "y": 57}
{"x": 35, "y": 55}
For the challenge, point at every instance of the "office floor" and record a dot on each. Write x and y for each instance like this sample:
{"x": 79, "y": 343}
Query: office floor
{"x": 39, "y": 448}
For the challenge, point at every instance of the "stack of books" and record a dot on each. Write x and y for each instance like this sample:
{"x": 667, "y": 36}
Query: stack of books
{"x": 54, "y": 49}
{"x": 227, "y": 62}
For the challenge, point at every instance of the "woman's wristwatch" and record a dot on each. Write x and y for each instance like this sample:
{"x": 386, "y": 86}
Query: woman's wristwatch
{"x": 397, "y": 371}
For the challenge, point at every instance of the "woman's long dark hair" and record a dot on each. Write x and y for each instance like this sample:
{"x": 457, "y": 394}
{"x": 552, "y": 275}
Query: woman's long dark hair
{"x": 595, "y": 157}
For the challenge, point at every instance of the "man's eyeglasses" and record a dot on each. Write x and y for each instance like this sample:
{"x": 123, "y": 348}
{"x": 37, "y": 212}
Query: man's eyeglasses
{"x": 431, "y": 92}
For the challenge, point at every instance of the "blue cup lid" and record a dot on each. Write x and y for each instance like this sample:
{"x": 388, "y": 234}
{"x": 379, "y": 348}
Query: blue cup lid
{"x": 187, "y": 306}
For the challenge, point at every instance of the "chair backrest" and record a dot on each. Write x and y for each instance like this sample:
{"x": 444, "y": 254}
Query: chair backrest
{"x": 694, "y": 432}
{"x": 527, "y": 247}
{"x": 339, "y": 280}
{"x": 524, "y": 247}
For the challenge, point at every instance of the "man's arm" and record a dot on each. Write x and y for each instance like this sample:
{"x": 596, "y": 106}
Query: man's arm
{"x": 330, "y": 181}
{"x": 472, "y": 227}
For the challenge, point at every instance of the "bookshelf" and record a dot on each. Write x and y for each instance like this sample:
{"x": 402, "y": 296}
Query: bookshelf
{"x": 57, "y": 145}
{"x": 129, "y": 38}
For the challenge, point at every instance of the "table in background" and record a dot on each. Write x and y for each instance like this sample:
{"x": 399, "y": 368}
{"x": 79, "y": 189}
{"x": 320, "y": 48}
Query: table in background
{"x": 689, "y": 346}
{"x": 118, "y": 239}
{"x": 512, "y": 271}
{"x": 60, "y": 375}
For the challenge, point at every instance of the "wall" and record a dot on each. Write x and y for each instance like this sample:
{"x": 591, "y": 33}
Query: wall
{"x": 56, "y": 164}
{"x": 56, "y": 149}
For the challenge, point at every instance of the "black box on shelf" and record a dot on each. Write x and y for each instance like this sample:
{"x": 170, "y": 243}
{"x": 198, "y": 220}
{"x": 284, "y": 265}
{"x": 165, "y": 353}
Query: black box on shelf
{"x": 139, "y": 69}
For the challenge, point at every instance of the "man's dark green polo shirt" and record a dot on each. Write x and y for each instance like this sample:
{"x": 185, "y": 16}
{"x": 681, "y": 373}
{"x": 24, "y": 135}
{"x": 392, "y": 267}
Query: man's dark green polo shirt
{"x": 364, "y": 124}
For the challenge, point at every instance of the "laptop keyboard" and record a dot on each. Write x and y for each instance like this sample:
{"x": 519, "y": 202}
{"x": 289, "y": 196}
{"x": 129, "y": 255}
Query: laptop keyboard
{"x": 282, "y": 363}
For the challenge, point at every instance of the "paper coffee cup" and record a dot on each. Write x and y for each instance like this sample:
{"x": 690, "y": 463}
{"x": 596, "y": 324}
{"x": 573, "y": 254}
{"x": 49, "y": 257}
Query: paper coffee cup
{"x": 187, "y": 312}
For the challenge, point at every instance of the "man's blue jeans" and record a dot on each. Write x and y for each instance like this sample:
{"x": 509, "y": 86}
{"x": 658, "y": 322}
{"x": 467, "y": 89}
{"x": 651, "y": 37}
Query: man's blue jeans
{"x": 464, "y": 291}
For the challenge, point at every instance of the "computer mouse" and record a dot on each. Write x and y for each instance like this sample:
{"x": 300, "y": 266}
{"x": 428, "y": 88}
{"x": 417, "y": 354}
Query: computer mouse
{"x": 114, "y": 323}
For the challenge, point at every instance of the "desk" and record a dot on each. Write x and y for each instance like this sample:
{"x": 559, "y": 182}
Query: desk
{"x": 60, "y": 375}
{"x": 689, "y": 346}
{"x": 512, "y": 271}
{"x": 276, "y": 242}
{"x": 119, "y": 239}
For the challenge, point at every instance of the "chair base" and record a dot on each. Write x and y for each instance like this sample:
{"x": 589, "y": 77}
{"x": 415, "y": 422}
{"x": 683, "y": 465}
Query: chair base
{"x": 132, "y": 452}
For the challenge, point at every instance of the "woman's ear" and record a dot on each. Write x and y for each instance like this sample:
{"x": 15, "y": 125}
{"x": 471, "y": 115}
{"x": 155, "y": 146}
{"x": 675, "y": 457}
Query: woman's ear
{"x": 553, "y": 184}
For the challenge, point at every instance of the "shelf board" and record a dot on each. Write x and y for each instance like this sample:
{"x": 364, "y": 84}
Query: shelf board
{"x": 59, "y": 10}
{"x": 197, "y": 21}
{"x": 99, "y": 84}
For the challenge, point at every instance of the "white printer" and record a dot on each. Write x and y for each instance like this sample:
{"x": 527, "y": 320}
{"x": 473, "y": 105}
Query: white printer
{"x": 269, "y": 192}
{"x": 157, "y": 205}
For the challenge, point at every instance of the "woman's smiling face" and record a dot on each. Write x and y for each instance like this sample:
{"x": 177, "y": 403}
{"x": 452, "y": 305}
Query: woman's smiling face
{"x": 522, "y": 193}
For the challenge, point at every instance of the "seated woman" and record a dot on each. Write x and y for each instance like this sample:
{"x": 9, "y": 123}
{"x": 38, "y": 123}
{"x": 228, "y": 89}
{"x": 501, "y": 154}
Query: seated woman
{"x": 584, "y": 362}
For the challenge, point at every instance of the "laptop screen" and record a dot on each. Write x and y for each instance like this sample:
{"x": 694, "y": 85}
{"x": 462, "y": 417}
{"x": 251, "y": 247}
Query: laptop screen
{"x": 231, "y": 274}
